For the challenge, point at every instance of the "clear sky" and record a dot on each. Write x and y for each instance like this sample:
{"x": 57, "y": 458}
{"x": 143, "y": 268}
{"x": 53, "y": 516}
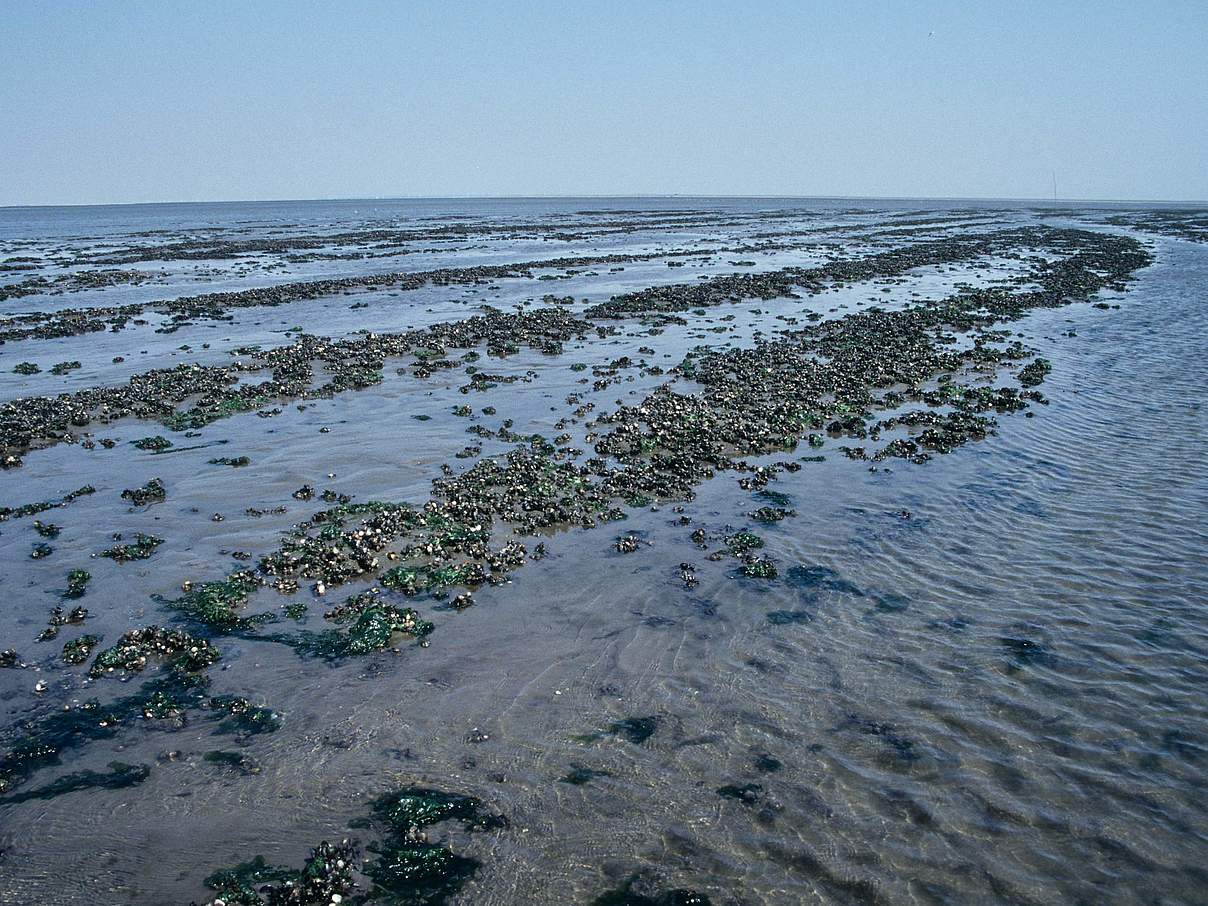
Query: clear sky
{"x": 127, "y": 101}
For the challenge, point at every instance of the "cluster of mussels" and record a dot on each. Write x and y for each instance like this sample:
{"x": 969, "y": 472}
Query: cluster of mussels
{"x": 220, "y": 391}
{"x": 825, "y": 380}
{"x": 406, "y": 865}
{"x": 923, "y": 373}
{"x": 67, "y": 322}
{"x": 217, "y": 392}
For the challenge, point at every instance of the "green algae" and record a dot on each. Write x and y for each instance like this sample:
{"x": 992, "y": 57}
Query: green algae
{"x": 236, "y": 761}
{"x": 136, "y": 648}
{"x": 741, "y": 542}
{"x": 747, "y": 793}
{"x": 32, "y": 509}
{"x": 632, "y": 729}
{"x": 325, "y": 877}
{"x": 119, "y": 777}
{"x": 1035, "y": 372}
{"x": 412, "y": 808}
{"x": 775, "y": 497}
{"x": 215, "y": 604}
{"x": 242, "y": 884}
{"x": 78, "y": 650}
{"x": 411, "y": 870}
{"x": 156, "y": 444}
{"x": 236, "y": 462}
{"x": 77, "y": 583}
{"x": 152, "y": 492}
{"x": 634, "y": 892}
{"x": 383, "y": 620}
{"x": 142, "y": 548}
{"x": 405, "y": 867}
{"x": 580, "y": 776}
{"x": 46, "y": 529}
{"x": 759, "y": 568}
{"x": 372, "y": 629}
{"x": 415, "y": 580}
{"x": 243, "y": 718}
{"x": 167, "y": 697}
{"x": 769, "y": 515}
{"x": 26, "y": 368}
{"x": 204, "y": 414}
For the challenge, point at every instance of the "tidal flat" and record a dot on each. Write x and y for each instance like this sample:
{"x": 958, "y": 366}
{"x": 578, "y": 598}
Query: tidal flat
{"x": 603, "y": 551}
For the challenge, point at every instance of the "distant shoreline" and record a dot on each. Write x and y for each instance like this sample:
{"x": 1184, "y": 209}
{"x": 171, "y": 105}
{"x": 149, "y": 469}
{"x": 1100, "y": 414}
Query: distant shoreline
{"x": 461, "y": 199}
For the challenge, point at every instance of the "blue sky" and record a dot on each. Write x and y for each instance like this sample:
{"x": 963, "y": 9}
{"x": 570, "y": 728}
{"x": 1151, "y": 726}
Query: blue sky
{"x": 130, "y": 101}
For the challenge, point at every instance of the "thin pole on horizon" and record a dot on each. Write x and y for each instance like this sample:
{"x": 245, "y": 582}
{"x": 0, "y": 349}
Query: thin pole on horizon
{"x": 1054, "y": 186}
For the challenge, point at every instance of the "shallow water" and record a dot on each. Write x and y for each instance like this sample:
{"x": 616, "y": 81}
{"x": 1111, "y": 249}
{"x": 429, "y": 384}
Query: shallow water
{"x": 978, "y": 679}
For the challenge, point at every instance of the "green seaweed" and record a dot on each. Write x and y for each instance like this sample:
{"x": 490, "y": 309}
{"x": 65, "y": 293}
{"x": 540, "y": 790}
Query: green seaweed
{"x": 1035, "y": 372}
{"x": 627, "y": 895}
{"x": 77, "y": 650}
{"x": 747, "y": 793}
{"x": 759, "y": 568}
{"x": 215, "y": 604}
{"x": 324, "y": 878}
{"x": 633, "y": 729}
{"x": 120, "y": 777}
{"x": 244, "y": 718}
{"x": 165, "y": 697}
{"x": 411, "y": 870}
{"x": 175, "y": 647}
{"x": 579, "y": 776}
{"x": 142, "y": 548}
{"x": 41, "y": 506}
{"x": 236, "y": 462}
{"x": 741, "y": 542}
{"x": 415, "y": 580}
{"x": 237, "y": 761}
{"x": 77, "y": 583}
{"x": 156, "y": 444}
{"x": 152, "y": 492}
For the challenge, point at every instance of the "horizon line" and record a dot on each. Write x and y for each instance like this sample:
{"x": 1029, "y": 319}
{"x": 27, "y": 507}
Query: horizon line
{"x": 643, "y": 195}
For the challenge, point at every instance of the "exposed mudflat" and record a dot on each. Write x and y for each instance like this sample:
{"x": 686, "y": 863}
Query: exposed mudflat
{"x": 624, "y": 551}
